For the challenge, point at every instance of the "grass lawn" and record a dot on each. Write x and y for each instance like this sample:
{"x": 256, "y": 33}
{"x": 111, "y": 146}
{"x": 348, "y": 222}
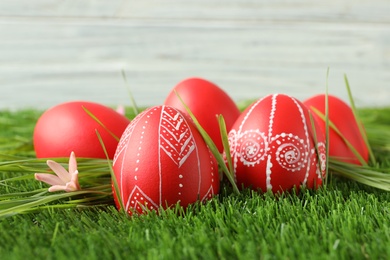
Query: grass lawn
{"x": 342, "y": 220}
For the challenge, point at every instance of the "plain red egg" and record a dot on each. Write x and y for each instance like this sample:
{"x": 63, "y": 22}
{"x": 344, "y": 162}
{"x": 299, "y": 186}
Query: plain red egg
{"x": 162, "y": 160}
{"x": 206, "y": 101}
{"x": 274, "y": 147}
{"x": 67, "y": 127}
{"x": 341, "y": 115}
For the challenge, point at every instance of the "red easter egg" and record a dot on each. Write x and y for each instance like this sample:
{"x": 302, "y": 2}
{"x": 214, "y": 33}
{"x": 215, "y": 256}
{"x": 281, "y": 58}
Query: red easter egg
{"x": 341, "y": 115}
{"x": 162, "y": 159}
{"x": 206, "y": 101}
{"x": 273, "y": 146}
{"x": 67, "y": 127}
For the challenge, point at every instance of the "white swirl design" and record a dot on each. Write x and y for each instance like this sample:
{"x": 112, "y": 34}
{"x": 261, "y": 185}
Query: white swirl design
{"x": 291, "y": 152}
{"x": 251, "y": 146}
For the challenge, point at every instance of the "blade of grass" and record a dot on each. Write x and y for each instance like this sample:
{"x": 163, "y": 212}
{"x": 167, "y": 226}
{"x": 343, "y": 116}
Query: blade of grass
{"x": 32, "y": 203}
{"x": 113, "y": 178}
{"x": 211, "y": 145}
{"x": 363, "y": 174}
{"x": 315, "y": 140}
{"x": 34, "y": 193}
{"x": 327, "y": 125}
{"x": 225, "y": 142}
{"x": 134, "y": 104}
{"x": 100, "y": 123}
{"x": 349, "y": 145}
{"x": 53, "y": 238}
{"x": 358, "y": 121}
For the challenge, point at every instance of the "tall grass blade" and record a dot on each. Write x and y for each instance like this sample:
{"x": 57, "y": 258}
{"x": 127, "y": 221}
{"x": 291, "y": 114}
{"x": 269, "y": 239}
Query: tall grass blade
{"x": 53, "y": 238}
{"x": 225, "y": 142}
{"x": 211, "y": 145}
{"x": 100, "y": 123}
{"x": 338, "y": 132}
{"x": 327, "y": 124}
{"x": 315, "y": 140}
{"x": 113, "y": 178}
{"x": 363, "y": 174}
{"x": 358, "y": 121}
{"x": 134, "y": 104}
{"x": 30, "y": 204}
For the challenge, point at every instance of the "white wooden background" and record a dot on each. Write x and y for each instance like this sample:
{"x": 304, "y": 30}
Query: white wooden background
{"x": 55, "y": 51}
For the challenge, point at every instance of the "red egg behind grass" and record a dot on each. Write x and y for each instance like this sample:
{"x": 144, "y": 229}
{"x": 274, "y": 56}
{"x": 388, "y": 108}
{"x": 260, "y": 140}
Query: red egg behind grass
{"x": 273, "y": 146}
{"x": 162, "y": 160}
{"x": 206, "y": 101}
{"x": 68, "y": 127}
{"x": 341, "y": 115}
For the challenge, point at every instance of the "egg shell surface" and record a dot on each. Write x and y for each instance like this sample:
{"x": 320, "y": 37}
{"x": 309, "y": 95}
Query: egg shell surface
{"x": 67, "y": 127}
{"x": 341, "y": 115}
{"x": 206, "y": 101}
{"x": 273, "y": 146}
{"x": 161, "y": 160}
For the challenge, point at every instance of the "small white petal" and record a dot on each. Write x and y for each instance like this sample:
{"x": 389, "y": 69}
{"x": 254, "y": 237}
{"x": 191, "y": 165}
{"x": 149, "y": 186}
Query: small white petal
{"x": 49, "y": 178}
{"x": 57, "y": 188}
{"x": 75, "y": 179}
{"x": 59, "y": 170}
{"x": 72, "y": 163}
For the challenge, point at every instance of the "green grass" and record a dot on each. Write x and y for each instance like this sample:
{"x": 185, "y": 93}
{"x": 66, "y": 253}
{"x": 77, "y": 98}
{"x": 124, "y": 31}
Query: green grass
{"x": 344, "y": 220}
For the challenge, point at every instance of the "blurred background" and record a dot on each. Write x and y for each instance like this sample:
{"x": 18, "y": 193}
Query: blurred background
{"x": 62, "y": 50}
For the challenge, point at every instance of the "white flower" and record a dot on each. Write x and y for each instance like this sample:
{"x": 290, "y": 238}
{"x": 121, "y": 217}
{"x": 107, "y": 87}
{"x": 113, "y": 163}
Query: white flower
{"x": 65, "y": 180}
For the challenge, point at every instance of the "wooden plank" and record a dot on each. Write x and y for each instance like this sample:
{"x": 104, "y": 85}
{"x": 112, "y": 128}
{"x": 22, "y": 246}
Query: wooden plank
{"x": 54, "y": 51}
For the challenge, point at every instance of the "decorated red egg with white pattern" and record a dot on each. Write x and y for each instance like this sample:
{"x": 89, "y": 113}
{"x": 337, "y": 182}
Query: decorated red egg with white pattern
{"x": 274, "y": 147}
{"x": 161, "y": 160}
